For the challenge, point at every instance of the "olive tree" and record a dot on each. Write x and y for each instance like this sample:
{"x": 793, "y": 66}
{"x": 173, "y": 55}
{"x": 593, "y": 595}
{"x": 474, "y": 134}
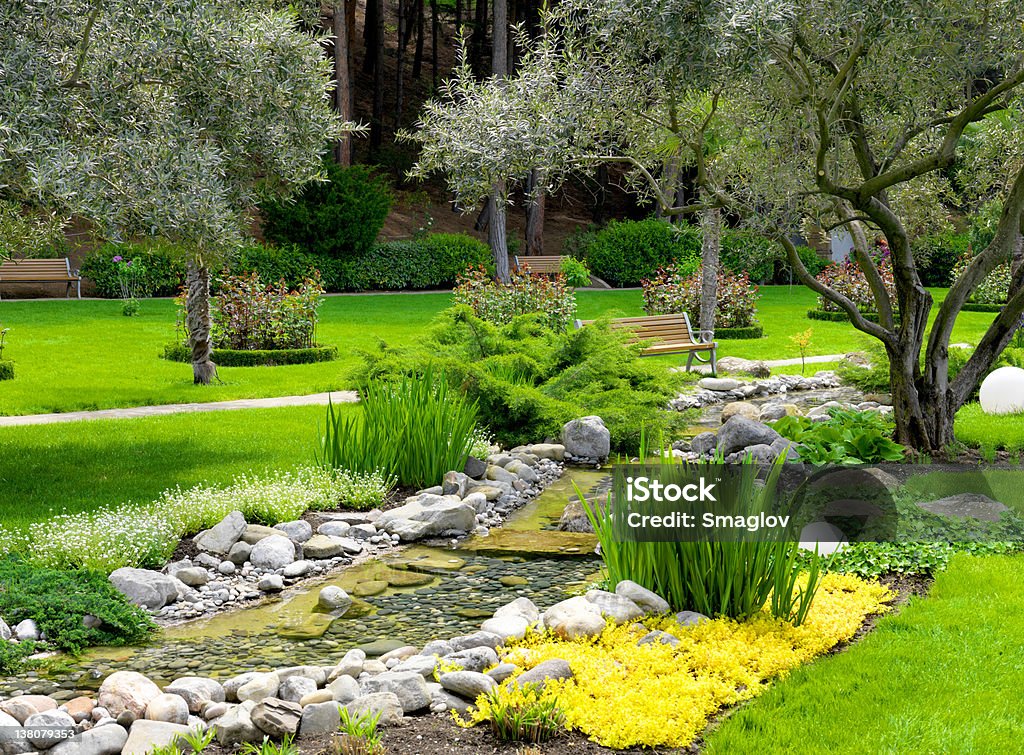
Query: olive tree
{"x": 164, "y": 118}
{"x": 847, "y": 112}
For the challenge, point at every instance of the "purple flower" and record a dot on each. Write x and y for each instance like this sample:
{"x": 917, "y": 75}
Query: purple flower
{"x": 128, "y": 263}
{"x": 117, "y": 258}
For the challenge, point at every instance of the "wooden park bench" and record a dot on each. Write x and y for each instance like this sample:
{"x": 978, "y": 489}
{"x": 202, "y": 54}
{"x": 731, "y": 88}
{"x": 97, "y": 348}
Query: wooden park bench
{"x": 540, "y": 264}
{"x": 669, "y": 334}
{"x": 41, "y": 271}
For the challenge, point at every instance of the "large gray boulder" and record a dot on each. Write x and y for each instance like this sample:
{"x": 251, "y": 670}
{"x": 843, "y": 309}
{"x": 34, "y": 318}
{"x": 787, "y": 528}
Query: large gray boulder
{"x": 146, "y": 736}
{"x": 967, "y": 506}
{"x": 587, "y": 437}
{"x": 48, "y": 728}
{"x": 408, "y": 686}
{"x": 575, "y": 617}
{"x": 384, "y": 705}
{"x": 319, "y": 720}
{"x": 149, "y": 589}
{"x": 236, "y": 726}
{"x": 299, "y": 530}
{"x": 430, "y": 515}
{"x": 545, "y": 671}
{"x": 197, "y": 691}
{"x": 648, "y": 600}
{"x": 740, "y": 432}
{"x": 278, "y": 718}
{"x": 101, "y": 740}
{"x": 613, "y": 606}
{"x": 221, "y": 536}
{"x": 467, "y": 684}
{"x": 272, "y": 552}
{"x": 704, "y": 443}
{"x": 127, "y": 691}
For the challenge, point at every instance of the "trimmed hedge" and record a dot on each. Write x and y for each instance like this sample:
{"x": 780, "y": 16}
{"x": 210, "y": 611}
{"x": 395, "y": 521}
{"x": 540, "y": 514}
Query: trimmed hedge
{"x": 177, "y": 352}
{"x": 739, "y": 334}
{"x": 433, "y": 261}
{"x": 975, "y": 307}
{"x": 6, "y": 370}
{"x": 623, "y": 253}
{"x": 820, "y": 314}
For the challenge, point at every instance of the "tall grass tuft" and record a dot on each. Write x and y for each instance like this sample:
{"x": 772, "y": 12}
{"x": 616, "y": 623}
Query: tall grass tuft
{"x": 716, "y": 578}
{"x": 415, "y": 429}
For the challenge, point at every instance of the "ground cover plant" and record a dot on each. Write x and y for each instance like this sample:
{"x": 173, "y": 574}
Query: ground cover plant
{"x": 922, "y": 679}
{"x": 109, "y": 538}
{"x": 846, "y": 437}
{"x": 628, "y": 695}
{"x": 84, "y": 355}
{"x": 57, "y": 600}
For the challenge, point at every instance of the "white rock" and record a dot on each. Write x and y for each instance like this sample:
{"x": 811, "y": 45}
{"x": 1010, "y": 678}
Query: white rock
{"x": 259, "y": 688}
{"x": 575, "y": 617}
{"x": 344, "y": 689}
{"x": 100, "y": 740}
{"x": 648, "y": 600}
{"x": 146, "y": 736}
{"x": 507, "y": 627}
{"x": 168, "y": 708}
{"x": 127, "y": 691}
{"x": 272, "y": 552}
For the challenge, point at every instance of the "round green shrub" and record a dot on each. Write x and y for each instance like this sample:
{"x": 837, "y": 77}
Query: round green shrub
{"x": 340, "y": 217}
{"x": 936, "y": 256}
{"x": 6, "y": 370}
{"x": 453, "y": 253}
{"x": 625, "y": 252}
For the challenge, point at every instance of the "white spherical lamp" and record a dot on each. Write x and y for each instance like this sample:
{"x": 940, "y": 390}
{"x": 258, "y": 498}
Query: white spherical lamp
{"x": 1002, "y": 392}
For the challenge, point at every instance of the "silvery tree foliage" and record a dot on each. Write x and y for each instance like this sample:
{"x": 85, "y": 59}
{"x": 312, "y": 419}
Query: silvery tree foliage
{"x": 164, "y": 118}
{"x": 851, "y": 113}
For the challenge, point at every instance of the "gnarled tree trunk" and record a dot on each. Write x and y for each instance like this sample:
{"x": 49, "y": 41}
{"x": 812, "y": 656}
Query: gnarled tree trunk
{"x": 711, "y": 242}
{"x": 496, "y": 233}
{"x": 535, "y": 214}
{"x": 197, "y": 319}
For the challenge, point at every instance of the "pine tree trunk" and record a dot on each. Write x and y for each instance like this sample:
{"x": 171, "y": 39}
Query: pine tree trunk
{"x": 377, "y": 118}
{"x": 370, "y": 36}
{"x": 403, "y": 35}
{"x": 711, "y": 232}
{"x": 343, "y": 78}
{"x": 417, "y": 60}
{"x": 535, "y": 215}
{"x": 435, "y": 29}
{"x": 197, "y": 318}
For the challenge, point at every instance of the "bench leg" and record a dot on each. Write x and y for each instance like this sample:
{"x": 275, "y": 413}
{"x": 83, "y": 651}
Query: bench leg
{"x": 79, "y": 282}
{"x": 714, "y": 362}
{"x": 689, "y": 361}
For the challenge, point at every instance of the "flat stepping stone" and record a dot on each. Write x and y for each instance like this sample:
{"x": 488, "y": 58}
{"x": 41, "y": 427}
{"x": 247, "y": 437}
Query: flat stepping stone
{"x": 370, "y": 587}
{"x": 967, "y": 506}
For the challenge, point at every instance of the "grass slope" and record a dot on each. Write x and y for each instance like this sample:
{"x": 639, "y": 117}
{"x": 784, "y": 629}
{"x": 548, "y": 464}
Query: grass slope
{"x": 47, "y": 469}
{"x": 990, "y": 432}
{"x": 73, "y": 355}
{"x": 944, "y": 675}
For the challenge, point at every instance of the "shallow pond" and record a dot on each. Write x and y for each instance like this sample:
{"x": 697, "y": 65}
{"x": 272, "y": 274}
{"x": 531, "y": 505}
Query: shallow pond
{"x": 409, "y": 597}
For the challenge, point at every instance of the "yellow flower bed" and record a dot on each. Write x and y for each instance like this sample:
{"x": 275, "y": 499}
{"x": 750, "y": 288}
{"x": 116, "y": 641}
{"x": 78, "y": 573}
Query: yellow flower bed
{"x": 625, "y": 695}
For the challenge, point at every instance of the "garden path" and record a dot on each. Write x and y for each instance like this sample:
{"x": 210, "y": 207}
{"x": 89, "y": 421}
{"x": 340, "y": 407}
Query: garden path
{"x": 337, "y": 397}
{"x": 706, "y": 368}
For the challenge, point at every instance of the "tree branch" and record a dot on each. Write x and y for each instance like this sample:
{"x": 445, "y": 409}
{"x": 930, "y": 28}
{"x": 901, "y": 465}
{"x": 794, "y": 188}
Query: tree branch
{"x": 858, "y": 320}
{"x": 867, "y": 265}
{"x": 83, "y": 51}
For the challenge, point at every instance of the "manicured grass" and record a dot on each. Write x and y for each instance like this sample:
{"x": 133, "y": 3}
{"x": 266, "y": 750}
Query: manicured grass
{"x": 73, "y": 355}
{"x": 942, "y": 676}
{"x": 989, "y": 432}
{"x": 47, "y": 469}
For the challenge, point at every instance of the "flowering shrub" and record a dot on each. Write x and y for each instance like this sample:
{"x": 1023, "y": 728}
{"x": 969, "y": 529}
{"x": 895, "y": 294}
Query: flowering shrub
{"x": 849, "y": 280}
{"x": 109, "y": 538}
{"x": 995, "y": 289}
{"x": 250, "y": 315}
{"x": 658, "y": 695}
{"x": 675, "y": 289}
{"x": 525, "y": 294}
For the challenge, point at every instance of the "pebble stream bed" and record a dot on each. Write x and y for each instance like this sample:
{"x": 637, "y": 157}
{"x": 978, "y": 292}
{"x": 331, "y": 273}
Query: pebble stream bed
{"x": 407, "y": 598}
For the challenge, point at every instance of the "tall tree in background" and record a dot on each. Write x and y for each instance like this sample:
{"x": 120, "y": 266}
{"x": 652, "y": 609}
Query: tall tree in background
{"x": 342, "y": 20}
{"x": 166, "y": 133}
{"x": 497, "y": 225}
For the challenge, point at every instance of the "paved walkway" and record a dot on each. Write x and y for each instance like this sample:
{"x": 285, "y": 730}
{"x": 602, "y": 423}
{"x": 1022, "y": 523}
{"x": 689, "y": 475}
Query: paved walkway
{"x": 338, "y": 397}
{"x": 706, "y": 368}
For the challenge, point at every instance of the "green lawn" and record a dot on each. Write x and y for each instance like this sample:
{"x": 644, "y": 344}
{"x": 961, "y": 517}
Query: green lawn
{"x": 47, "y": 469}
{"x": 990, "y": 432}
{"x": 942, "y": 676}
{"x": 73, "y": 355}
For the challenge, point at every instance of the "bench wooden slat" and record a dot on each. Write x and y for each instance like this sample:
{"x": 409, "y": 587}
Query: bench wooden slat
{"x": 671, "y": 334}
{"x": 543, "y": 265}
{"x": 41, "y": 271}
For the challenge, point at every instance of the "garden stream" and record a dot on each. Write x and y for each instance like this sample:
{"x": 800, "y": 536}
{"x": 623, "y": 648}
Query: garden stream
{"x": 410, "y": 597}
